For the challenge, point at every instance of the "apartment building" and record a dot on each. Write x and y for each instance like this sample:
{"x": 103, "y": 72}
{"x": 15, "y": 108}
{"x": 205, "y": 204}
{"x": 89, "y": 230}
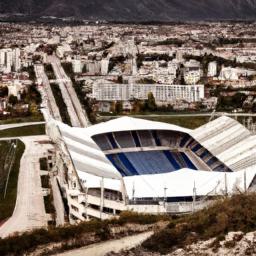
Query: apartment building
{"x": 162, "y": 92}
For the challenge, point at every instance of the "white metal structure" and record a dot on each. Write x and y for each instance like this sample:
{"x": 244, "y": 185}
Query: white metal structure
{"x": 123, "y": 164}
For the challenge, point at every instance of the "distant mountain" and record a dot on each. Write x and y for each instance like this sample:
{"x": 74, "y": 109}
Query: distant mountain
{"x": 134, "y": 10}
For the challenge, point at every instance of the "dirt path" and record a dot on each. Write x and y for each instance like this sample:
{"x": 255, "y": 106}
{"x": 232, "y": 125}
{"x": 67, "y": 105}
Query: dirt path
{"x": 116, "y": 246}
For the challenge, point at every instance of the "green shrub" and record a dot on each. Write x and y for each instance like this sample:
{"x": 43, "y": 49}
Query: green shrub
{"x": 237, "y": 213}
{"x": 18, "y": 245}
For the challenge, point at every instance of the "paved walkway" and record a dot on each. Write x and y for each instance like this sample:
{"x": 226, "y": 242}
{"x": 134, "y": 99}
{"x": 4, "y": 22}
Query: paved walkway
{"x": 29, "y": 212}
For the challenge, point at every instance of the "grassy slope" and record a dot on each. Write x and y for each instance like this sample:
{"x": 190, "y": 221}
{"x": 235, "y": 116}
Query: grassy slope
{"x": 234, "y": 214}
{"x": 187, "y": 122}
{"x": 7, "y": 205}
{"x": 23, "y": 131}
{"x": 19, "y": 245}
{"x": 35, "y": 118}
{"x": 5, "y": 146}
{"x": 183, "y": 121}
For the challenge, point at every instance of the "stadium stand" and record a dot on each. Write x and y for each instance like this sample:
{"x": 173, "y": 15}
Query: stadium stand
{"x": 112, "y": 140}
{"x": 124, "y": 139}
{"x": 146, "y": 139}
{"x": 136, "y": 139}
{"x": 150, "y": 162}
{"x": 103, "y": 142}
{"x": 134, "y": 162}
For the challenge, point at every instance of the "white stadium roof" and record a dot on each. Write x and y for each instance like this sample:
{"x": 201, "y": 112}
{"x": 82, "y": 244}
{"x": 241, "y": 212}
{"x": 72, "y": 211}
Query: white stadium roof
{"x": 224, "y": 137}
{"x": 85, "y": 154}
{"x": 181, "y": 183}
{"x": 229, "y": 141}
{"x": 131, "y": 124}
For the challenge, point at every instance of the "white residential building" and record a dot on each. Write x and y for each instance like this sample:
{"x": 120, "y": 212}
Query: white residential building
{"x": 212, "y": 69}
{"x": 77, "y": 66}
{"x": 16, "y": 59}
{"x": 104, "y": 66}
{"x": 192, "y": 72}
{"x": 10, "y": 60}
{"x": 162, "y": 92}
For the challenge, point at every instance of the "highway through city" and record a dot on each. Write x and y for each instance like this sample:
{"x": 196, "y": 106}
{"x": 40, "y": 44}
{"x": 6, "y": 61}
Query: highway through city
{"x": 46, "y": 92}
{"x": 76, "y": 112}
{"x": 29, "y": 212}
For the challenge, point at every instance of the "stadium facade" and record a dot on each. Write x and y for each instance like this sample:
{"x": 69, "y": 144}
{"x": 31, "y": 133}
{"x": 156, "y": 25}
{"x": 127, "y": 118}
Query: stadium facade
{"x": 150, "y": 167}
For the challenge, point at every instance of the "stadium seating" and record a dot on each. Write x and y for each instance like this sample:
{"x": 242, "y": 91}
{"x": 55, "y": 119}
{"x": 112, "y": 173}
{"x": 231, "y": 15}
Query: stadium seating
{"x": 155, "y": 136}
{"x": 136, "y": 139}
{"x": 157, "y": 161}
{"x": 184, "y": 140}
{"x": 112, "y": 140}
{"x": 172, "y": 159}
{"x": 103, "y": 142}
{"x": 188, "y": 162}
{"x": 150, "y": 162}
{"x": 146, "y": 139}
{"x": 124, "y": 139}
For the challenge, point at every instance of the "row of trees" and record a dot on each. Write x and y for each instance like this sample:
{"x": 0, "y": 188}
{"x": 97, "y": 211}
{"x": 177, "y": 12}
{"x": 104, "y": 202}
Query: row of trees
{"x": 138, "y": 105}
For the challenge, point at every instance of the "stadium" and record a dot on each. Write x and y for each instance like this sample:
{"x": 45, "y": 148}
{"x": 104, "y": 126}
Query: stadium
{"x": 151, "y": 167}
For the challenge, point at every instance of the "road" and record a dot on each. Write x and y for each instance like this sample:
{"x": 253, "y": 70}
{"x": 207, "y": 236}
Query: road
{"x": 10, "y": 126}
{"x": 46, "y": 92}
{"x": 186, "y": 115}
{"x": 116, "y": 246}
{"x": 29, "y": 212}
{"x": 77, "y": 114}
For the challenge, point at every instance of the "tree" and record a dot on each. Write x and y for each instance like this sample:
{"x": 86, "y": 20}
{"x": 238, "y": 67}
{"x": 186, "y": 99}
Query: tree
{"x": 4, "y": 91}
{"x": 150, "y": 102}
{"x": 13, "y": 100}
{"x": 254, "y": 107}
{"x": 119, "y": 107}
{"x": 137, "y": 106}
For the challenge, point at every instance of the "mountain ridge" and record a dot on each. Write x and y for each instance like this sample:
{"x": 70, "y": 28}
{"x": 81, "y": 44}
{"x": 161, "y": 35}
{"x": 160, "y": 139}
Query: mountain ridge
{"x": 131, "y": 10}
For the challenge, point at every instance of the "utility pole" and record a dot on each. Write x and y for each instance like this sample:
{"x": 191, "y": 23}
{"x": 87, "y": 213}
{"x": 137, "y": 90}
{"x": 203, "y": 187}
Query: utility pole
{"x": 245, "y": 187}
{"x": 101, "y": 196}
{"x": 133, "y": 191}
{"x": 165, "y": 198}
{"x": 14, "y": 146}
{"x": 194, "y": 197}
{"x": 226, "y": 185}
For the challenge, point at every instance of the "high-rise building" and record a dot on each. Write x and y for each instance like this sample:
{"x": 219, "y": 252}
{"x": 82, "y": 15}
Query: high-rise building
{"x": 212, "y": 69}
{"x": 10, "y": 60}
{"x": 161, "y": 92}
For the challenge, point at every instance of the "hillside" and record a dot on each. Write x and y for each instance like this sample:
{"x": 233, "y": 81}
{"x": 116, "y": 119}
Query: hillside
{"x": 235, "y": 214}
{"x": 133, "y": 10}
{"x": 227, "y": 226}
